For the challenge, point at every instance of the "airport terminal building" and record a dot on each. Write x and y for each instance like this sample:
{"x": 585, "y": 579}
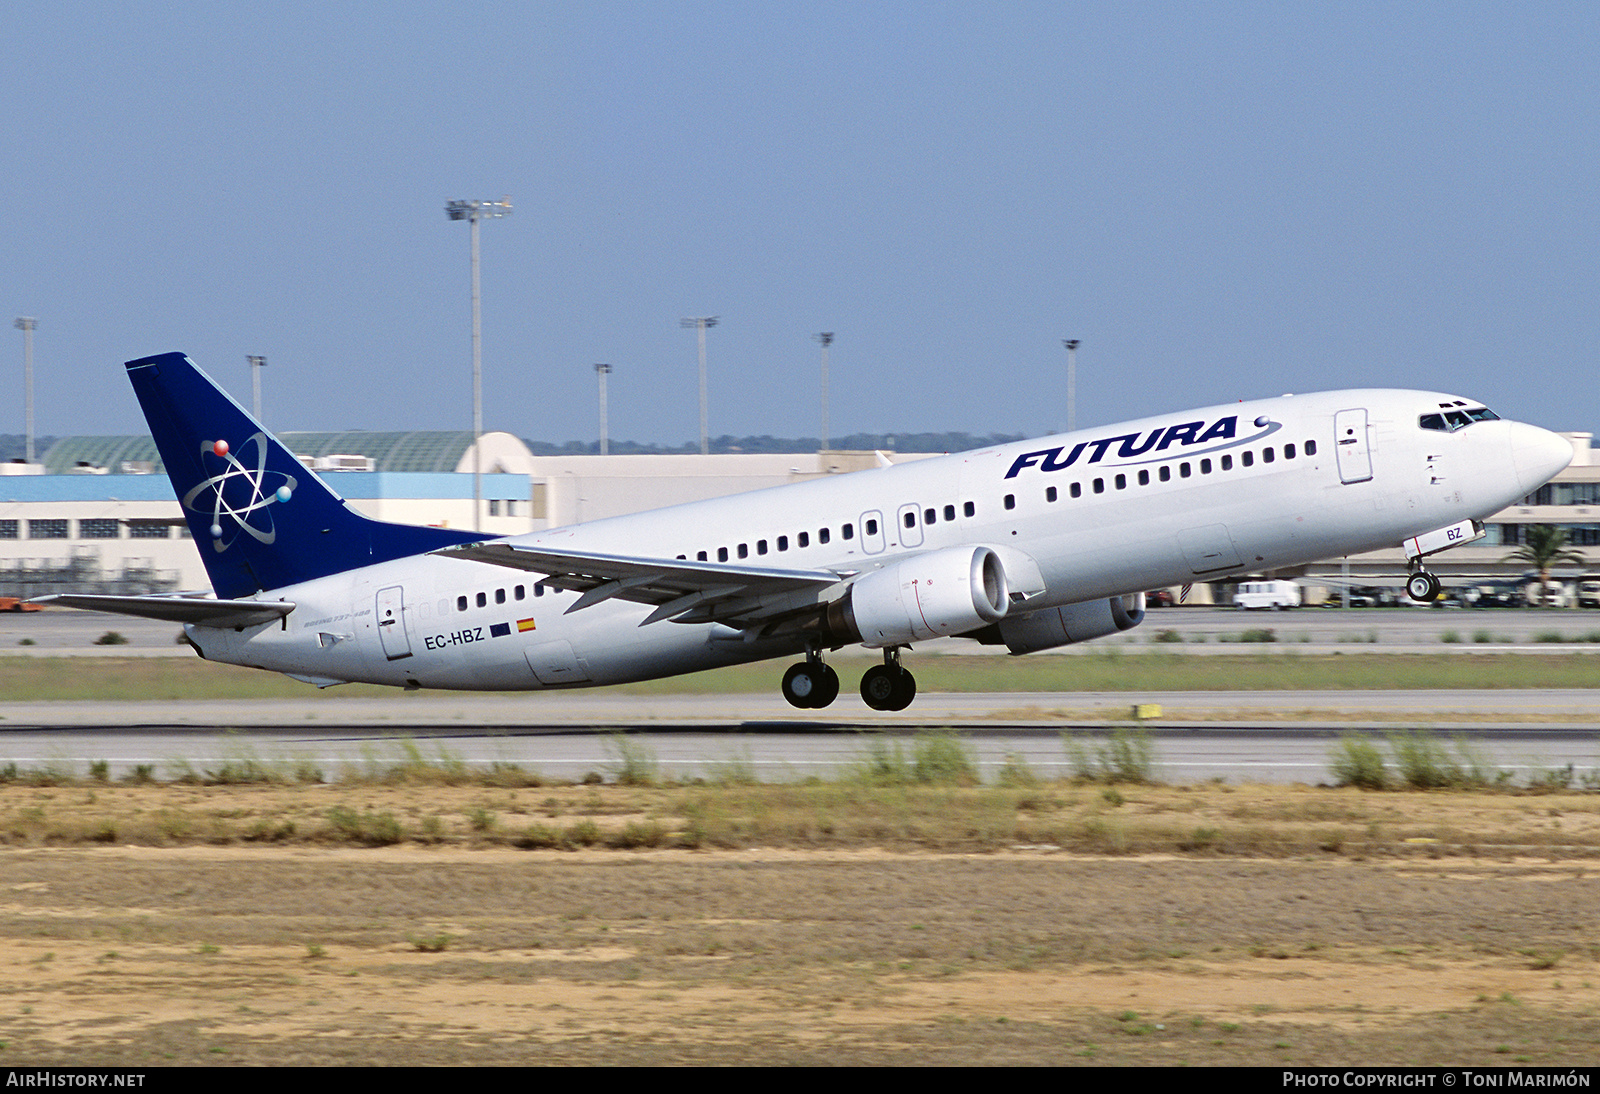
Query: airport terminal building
{"x": 97, "y": 514}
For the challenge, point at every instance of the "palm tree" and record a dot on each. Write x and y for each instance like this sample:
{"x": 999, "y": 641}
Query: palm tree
{"x": 1543, "y": 546}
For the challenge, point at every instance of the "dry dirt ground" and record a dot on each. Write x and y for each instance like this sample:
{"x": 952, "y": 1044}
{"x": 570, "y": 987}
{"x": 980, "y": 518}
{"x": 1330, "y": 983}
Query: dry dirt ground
{"x": 460, "y": 953}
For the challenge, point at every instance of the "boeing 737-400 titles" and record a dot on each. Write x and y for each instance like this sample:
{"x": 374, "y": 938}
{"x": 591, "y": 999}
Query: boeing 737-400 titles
{"x": 1029, "y": 545}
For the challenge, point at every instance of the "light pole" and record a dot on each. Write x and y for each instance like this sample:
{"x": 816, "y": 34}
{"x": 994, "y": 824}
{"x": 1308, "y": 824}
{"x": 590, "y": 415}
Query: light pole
{"x": 256, "y": 365}
{"x": 602, "y": 371}
{"x": 473, "y": 212}
{"x": 826, "y": 338}
{"x": 1072, "y": 382}
{"x": 701, "y": 323}
{"x": 26, "y": 324}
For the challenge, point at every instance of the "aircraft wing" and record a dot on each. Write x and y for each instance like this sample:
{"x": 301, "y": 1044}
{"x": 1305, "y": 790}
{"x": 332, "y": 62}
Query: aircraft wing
{"x": 178, "y": 609}
{"x": 682, "y": 590}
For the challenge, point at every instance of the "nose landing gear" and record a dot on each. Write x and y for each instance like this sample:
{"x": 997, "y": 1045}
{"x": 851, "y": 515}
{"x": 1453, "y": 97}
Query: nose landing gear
{"x": 1422, "y": 587}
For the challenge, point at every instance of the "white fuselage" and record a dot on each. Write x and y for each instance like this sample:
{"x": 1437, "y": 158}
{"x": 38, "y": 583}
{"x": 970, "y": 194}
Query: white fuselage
{"x": 1101, "y": 513}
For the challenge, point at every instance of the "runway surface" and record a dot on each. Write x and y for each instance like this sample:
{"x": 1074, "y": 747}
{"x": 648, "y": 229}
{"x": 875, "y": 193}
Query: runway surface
{"x": 1271, "y": 737}
{"x": 1268, "y": 736}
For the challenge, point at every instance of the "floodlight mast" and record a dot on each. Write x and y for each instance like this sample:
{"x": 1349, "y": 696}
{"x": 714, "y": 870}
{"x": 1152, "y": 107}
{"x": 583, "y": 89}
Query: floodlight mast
{"x": 602, "y": 371}
{"x": 701, "y": 323}
{"x": 257, "y": 363}
{"x": 826, "y": 338}
{"x": 1072, "y": 382}
{"x": 26, "y": 325}
{"x": 473, "y": 212}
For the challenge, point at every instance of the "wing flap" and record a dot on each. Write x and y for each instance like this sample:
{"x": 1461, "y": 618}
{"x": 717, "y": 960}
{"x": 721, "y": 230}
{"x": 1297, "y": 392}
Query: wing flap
{"x": 178, "y": 609}
{"x": 674, "y": 587}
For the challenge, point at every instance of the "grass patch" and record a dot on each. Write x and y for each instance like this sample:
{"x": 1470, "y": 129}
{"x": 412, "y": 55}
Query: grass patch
{"x": 633, "y": 762}
{"x": 1424, "y": 763}
{"x": 1170, "y": 669}
{"x": 1358, "y": 762}
{"x": 934, "y": 759}
{"x": 1126, "y": 756}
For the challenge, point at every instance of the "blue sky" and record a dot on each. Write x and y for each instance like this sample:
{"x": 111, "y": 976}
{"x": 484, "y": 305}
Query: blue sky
{"x": 1221, "y": 200}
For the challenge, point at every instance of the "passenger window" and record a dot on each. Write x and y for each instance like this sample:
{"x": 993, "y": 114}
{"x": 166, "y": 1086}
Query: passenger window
{"x": 761, "y": 546}
{"x": 1205, "y": 466}
{"x": 930, "y": 516}
{"x": 701, "y": 555}
{"x": 848, "y": 531}
{"x": 461, "y": 603}
{"x": 1076, "y": 490}
{"x": 1099, "y": 486}
{"x": 1266, "y": 454}
{"x": 1183, "y": 471}
{"x": 521, "y": 593}
{"x": 1247, "y": 458}
{"x": 744, "y": 550}
{"x": 722, "y": 554}
{"x": 1011, "y": 501}
{"x": 1311, "y": 448}
{"x": 538, "y": 590}
{"x": 1144, "y": 477}
{"x": 803, "y": 539}
{"x": 783, "y": 543}
{"x": 1049, "y": 493}
{"x": 871, "y": 527}
{"x": 1227, "y": 463}
{"x": 949, "y": 512}
{"x": 1288, "y": 451}
{"x": 968, "y": 508}
{"x": 1164, "y": 473}
{"x": 1122, "y": 482}
{"x": 822, "y": 535}
{"x": 483, "y": 600}
{"x": 499, "y": 596}
{"x": 911, "y": 520}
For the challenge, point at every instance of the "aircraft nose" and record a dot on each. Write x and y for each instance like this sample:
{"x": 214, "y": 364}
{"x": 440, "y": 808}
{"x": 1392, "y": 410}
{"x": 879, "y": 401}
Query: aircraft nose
{"x": 1537, "y": 454}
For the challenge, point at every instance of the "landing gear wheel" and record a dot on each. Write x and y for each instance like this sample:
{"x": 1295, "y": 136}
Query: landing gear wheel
{"x": 1422, "y": 587}
{"x": 888, "y": 687}
{"x": 810, "y": 685}
{"x": 827, "y": 686}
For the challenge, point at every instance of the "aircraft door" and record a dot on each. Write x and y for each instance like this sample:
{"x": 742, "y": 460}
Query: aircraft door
{"x": 1350, "y": 442}
{"x": 390, "y": 612}
{"x": 910, "y": 525}
{"x": 872, "y": 532}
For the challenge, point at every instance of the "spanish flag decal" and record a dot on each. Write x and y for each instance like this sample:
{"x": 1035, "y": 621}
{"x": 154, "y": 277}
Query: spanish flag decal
{"x": 524, "y": 625}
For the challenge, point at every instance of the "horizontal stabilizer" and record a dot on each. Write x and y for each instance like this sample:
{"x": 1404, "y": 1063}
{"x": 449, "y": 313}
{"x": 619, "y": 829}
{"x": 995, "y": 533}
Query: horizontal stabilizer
{"x": 178, "y": 609}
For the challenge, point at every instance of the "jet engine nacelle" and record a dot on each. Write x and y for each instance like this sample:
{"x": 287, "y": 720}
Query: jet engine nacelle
{"x": 941, "y": 593}
{"x": 1043, "y": 630}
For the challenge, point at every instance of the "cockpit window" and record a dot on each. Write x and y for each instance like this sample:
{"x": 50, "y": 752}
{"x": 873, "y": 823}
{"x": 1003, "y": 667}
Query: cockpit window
{"x": 1452, "y": 420}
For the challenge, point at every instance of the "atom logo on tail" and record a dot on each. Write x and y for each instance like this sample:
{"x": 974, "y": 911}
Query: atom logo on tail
{"x": 254, "y": 515}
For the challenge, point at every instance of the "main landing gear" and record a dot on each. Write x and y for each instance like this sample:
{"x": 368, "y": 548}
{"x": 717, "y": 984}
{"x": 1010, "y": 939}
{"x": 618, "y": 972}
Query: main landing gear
{"x": 1423, "y": 587}
{"x": 812, "y": 685}
{"x": 888, "y": 686}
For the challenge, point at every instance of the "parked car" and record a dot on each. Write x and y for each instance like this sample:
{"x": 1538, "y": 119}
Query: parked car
{"x": 1589, "y": 593}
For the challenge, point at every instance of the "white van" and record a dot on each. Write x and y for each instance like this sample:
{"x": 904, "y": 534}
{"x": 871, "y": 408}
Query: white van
{"x": 1276, "y": 595}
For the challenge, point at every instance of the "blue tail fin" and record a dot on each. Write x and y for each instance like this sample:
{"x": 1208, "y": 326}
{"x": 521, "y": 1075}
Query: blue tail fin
{"x": 261, "y": 519}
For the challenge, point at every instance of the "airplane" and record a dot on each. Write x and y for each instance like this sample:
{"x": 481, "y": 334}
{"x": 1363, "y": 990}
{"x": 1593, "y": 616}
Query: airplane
{"x": 1028, "y": 545}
